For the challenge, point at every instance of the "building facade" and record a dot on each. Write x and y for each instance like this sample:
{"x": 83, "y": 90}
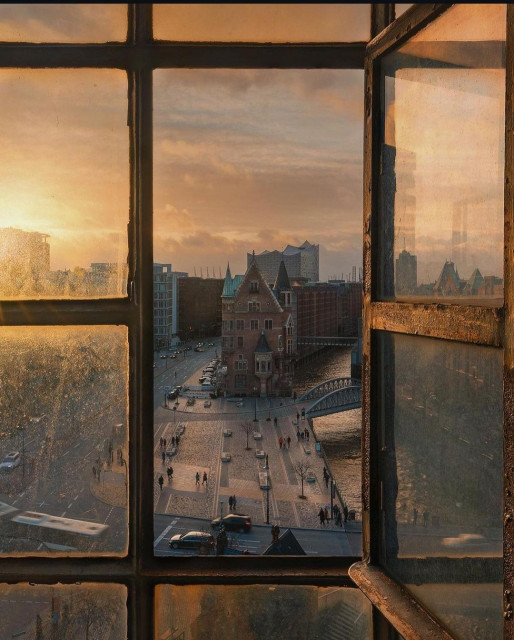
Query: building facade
{"x": 199, "y": 307}
{"x": 162, "y": 305}
{"x": 300, "y": 262}
{"x": 258, "y": 334}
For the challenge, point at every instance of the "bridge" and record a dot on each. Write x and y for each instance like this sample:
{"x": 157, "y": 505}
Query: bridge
{"x": 333, "y": 396}
{"x": 327, "y": 341}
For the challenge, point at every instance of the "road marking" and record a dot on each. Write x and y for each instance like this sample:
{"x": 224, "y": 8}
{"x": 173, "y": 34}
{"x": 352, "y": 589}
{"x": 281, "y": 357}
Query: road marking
{"x": 65, "y": 453}
{"x": 75, "y": 498}
{"x": 165, "y": 532}
{"x": 62, "y": 514}
{"x": 70, "y": 505}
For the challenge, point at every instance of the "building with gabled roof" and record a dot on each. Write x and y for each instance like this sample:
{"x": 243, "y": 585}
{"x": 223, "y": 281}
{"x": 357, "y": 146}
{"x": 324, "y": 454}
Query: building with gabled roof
{"x": 258, "y": 334}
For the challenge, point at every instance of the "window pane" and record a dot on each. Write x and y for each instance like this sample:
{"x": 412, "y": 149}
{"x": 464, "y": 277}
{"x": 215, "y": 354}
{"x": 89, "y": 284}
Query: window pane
{"x": 65, "y": 188}
{"x": 89, "y": 610}
{"x": 262, "y": 23}
{"x": 64, "y": 467}
{"x": 441, "y": 469}
{"x": 272, "y": 612}
{"x": 443, "y": 160}
{"x": 63, "y": 23}
{"x": 258, "y": 160}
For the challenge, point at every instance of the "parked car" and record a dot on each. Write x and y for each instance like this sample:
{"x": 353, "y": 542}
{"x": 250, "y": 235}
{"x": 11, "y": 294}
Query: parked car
{"x": 207, "y": 404}
{"x": 233, "y": 522}
{"x": 11, "y": 461}
{"x": 192, "y": 540}
{"x": 173, "y": 394}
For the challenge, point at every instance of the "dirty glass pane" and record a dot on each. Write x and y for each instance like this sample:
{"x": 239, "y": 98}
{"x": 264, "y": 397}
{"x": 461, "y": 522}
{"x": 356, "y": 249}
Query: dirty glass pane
{"x": 242, "y": 160}
{"x": 64, "y": 612}
{"x": 65, "y": 188}
{"x": 63, "y": 440}
{"x": 255, "y": 612}
{"x": 443, "y": 160}
{"x": 63, "y": 22}
{"x": 262, "y": 22}
{"x": 441, "y": 468}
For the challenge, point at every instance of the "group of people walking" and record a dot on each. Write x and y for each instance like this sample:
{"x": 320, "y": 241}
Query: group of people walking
{"x": 304, "y": 435}
{"x": 338, "y": 515}
{"x": 282, "y": 442}
{"x": 204, "y": 479}
{"x": 174, "y": 443}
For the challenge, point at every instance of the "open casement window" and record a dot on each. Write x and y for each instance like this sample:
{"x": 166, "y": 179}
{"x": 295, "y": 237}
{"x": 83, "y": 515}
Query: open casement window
{"x": 437, "y": 328}
{"x": 419, "y": 357}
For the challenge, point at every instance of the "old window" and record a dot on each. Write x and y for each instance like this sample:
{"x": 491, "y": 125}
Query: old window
{"x": 268, "y": 324}
{"x": 98, "y": 326}
{"x": 254, "y": 325}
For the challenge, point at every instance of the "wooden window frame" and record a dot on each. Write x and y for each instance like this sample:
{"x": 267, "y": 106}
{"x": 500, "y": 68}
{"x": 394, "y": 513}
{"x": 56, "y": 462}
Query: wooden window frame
{"x": 487, "y": 326}
{"x": 140, "y": 571}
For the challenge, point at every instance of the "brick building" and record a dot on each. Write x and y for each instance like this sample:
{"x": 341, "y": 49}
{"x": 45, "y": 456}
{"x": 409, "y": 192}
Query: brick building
{"x": 317, "y": 312}
{"x": 199, "y": 307}
{"x": 259, "y": 334}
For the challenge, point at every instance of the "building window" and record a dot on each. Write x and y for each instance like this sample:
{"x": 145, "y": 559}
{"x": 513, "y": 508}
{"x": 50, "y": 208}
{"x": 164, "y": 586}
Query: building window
{"x": 228, "y": 342}
{"x": 254, "y": 325}
{"x": 268, "y": 324}
{"x": 254, "y": 286}
{"x": 240, "y": 341}
{"x": 240, "y": 381}
{"x": 254, "y": 306}
{"x": 240, "y": 325}
{"x": 280, "y": 343}
{"x": 289, "y": 347}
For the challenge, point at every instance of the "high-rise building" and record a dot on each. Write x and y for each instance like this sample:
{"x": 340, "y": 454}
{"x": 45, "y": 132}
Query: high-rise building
{"x": 406, "y": 274}
{"x": 162, "y": 305}
{"x": 24, "y": 261}
{"x": 300, "y": 262}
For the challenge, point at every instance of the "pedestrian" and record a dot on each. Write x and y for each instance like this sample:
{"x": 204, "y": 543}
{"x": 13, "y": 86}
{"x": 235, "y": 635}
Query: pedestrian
{"x": 275, "y": 532}
{"x": 160, "y": 442}
{"x": 164, "y": 442}
{"x": 326, "y": 514}
{"x": 234, "y": 502}
{"x": 298, "y": 435}
{"x": 414, "y": 516}
{"x": 280, "y": 440}
{"x": 324, "y": 472}
{"x": 94, "y": 471}
{"x": 168, "y": 470}
{"x": 177, "y": 440}
{"x": 230, "y": 503}
{"x": 171, "y": 469}
{"x": 288, "y": 441}
{"x": 425, "y": 518}
{"x": 161, "y": 480}
{"x": 327, "y": 477}
{"x": 339, "y": 520}
{"x": 307, "y": 434}
{"x": 204, "y": 479}
{"x": 345, "y": 512}
{"x": 173, "y": 441}
{"x": 297, "y": 416}
{"x": 197, "y": 478}
{"x": 163, "y": 457}
{"x": 321, "y": 516}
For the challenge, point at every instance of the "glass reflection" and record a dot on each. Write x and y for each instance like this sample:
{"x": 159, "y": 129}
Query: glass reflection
{"x": 63, "y": 612}
{"x": 441, "y": 468}
{"x": 443, "y": 157}
{"x": 63, "y": 444}
{"x": 63, "y": 22}
{"x": 262, "y": 22}
{"x": 64, "y": 199}
{"x": 270, "y": 612}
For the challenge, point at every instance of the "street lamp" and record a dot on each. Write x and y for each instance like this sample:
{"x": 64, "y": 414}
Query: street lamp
{"x": 267, "y": 491}
{"x": 255, "y": 406}
{"x": 21, "y": 429}
{"x": 174, "y": 414}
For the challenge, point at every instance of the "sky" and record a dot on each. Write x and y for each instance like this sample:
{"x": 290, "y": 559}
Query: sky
{"x": 244, "y": 160}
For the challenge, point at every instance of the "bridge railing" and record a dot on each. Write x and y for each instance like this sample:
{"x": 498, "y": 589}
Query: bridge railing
{"x": 328, "y": 386}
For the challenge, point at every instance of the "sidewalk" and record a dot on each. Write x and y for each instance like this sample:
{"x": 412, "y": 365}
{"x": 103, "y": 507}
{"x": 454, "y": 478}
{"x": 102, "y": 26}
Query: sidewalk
{"x": 201, "y": 447}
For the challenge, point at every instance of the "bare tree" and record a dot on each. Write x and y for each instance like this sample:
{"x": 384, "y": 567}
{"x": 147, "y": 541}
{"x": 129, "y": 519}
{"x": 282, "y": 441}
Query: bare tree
{"x": 302, "y": 470}
{"x": 94, "y": 608}
{"x": 247, "y": 427}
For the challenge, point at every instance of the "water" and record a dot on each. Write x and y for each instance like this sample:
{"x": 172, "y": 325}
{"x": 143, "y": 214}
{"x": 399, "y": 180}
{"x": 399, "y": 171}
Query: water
{"x": 339, "y": 433}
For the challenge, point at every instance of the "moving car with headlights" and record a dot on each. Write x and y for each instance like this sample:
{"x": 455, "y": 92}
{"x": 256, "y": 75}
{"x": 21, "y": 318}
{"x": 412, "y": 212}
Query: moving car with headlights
{"x": 192, "y": 540}
{"x": 233, "y": 522}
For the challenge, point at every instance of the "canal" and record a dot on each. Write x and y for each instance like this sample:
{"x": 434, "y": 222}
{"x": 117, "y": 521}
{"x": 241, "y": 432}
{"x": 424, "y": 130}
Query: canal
{"x": 339, "y": 433}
